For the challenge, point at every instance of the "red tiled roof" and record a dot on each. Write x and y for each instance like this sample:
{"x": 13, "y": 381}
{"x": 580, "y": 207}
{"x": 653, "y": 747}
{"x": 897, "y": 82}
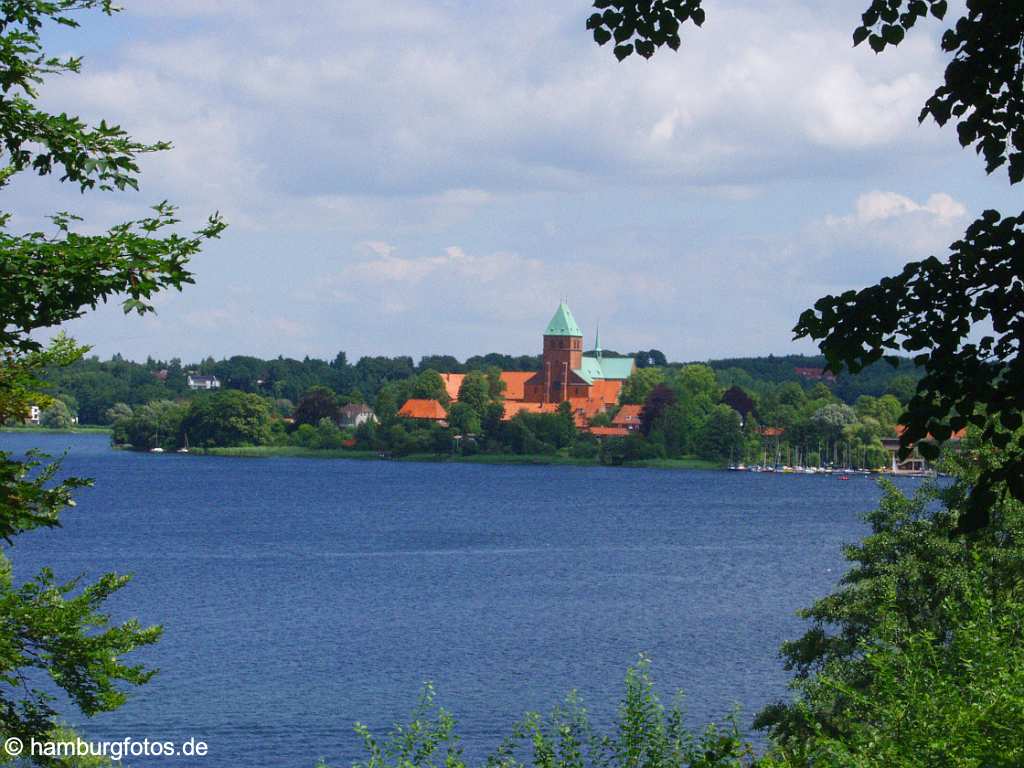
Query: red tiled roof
{"x": 607, "y": 390}
{"x": 417, "y": 408}
{"x": 771, "y": 431}
{"x": 515, "y": 383}
{"x": 609, "y": 431}
{"x": 628, "y": 415}
{"x": 512, "y": 407}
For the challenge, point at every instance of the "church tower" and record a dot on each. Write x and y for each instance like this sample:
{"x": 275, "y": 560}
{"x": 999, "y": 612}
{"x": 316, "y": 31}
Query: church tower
{"x": 563, "y": 354}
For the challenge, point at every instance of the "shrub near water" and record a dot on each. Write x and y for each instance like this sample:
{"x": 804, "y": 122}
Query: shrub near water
{"x": 644, "y": 734}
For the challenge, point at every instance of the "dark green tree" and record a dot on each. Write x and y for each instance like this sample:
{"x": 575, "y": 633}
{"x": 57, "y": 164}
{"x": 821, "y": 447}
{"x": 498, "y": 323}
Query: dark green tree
{"x": 660, "y": 398}
{"x": 721, "y": 437}
{"x": 316, "y": 404}
{"x": 157, "y": 424}
{"x": 911, "y": 582}
{"x": 464, "y": 419}
{"x": 430, "y": 386}
{"x": 475, "y": 392}
{"x": 227, "y": 418}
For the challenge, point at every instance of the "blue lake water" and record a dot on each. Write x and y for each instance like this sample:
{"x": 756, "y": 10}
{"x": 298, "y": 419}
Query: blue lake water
{"x": 299, "y": 596}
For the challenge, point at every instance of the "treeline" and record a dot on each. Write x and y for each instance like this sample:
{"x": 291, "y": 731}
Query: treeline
{"x": 230, "y": 418}
{"x": 688, "y": 411}
{"x": 881, "y": 378}
{"x": 91, "y": 387}
{"x": 685, "y": 412}
{"x": 714, "y": 411}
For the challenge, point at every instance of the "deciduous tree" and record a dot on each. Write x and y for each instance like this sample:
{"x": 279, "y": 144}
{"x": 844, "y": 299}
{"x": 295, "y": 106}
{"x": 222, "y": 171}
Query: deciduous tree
{"x": 56, "y": 416}
{"x": 228, "y": 418}
{"x": 316, "y": 404}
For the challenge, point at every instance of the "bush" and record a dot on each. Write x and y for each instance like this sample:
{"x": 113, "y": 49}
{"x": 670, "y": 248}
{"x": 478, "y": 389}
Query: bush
{"x": 585, "y": 448}
{"x": 643, "y": 735}
{"x": 305, "y": 436}
{"x": 328, "y": 435}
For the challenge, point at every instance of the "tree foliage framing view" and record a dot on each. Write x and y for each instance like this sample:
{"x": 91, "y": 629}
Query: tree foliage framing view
{"x": 52, "y": 629}
{"x": 934, "y": 309}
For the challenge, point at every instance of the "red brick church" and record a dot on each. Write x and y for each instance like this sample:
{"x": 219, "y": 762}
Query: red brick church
{"x": 590, "y": 383}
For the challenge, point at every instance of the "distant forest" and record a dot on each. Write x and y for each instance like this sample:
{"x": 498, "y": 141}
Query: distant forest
{"x": 92, "y": 386}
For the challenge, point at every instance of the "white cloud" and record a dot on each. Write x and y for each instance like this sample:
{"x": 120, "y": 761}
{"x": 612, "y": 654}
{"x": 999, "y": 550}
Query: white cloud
{"x": 896, "y": 222}
{"x": 884, "y": 230}
{"x": 878, "y": 205}
{"x": 269, "y": 113}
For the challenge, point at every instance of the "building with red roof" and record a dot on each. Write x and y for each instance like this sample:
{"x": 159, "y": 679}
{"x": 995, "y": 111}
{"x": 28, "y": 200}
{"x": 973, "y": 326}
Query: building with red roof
{"x": 423, "y": 409}
{"x": 628, "y": 417}
{"x": 590, "y": 383}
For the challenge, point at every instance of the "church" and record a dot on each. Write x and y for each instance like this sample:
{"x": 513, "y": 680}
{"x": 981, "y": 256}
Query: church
{"x": 590, "y": 383}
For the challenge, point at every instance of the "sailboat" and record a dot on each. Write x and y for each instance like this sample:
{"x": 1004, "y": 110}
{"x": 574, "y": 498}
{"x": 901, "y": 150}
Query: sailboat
{"x": 185, "y": 448}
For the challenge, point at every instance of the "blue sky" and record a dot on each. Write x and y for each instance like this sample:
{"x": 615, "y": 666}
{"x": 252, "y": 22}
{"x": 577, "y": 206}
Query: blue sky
{"x": 431, "y": 177}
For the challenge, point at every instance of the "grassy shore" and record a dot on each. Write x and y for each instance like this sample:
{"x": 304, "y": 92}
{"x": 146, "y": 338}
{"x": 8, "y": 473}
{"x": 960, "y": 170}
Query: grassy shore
{"x": 284, "y": 451}
{"x": 79, "y": 430}
{"x": 690, "y": 462}
{"x": 288, "y": 451}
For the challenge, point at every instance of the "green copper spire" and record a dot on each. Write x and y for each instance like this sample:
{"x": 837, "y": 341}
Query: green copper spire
{"x": 597, "y": 341}
{"x": 563, "y": 323}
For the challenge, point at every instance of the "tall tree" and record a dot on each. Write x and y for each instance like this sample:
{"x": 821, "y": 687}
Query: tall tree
{"x": 658, "y": 399}
{"x": 50, "y": 628}
{"x": 316, "y": 404}
{"x": 475, "y": 392}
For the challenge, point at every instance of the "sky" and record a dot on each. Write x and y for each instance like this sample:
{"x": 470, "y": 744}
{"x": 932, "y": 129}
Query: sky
{"x": 419, "y": 177}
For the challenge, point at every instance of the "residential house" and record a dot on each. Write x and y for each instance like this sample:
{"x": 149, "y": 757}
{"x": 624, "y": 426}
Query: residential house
{"x": 195, "y": 381}
{"x": 628, "y": 417}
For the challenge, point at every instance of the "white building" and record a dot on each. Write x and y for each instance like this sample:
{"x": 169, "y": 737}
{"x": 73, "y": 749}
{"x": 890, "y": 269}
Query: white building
{"x": 356, "y": 414}
{"x": 195, "y": 381}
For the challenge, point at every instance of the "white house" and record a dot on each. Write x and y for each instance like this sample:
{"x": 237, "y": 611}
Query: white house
{"x": 356, "y": 414}
{"x": 196, "y": 381}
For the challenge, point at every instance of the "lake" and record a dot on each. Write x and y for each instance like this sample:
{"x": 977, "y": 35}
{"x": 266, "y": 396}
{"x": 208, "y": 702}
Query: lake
{"x": 301, "y": 595}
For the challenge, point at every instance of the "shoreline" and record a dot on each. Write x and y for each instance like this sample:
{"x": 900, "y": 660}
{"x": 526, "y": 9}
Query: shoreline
{"x": 272, "y": 452}
{"x": 82, "y": 430}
